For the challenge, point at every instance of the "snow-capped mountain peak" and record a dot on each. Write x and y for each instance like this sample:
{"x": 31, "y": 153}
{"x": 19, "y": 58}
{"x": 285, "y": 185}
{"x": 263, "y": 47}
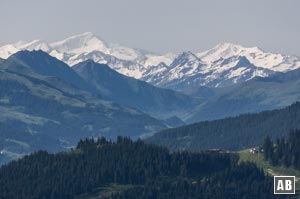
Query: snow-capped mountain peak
{"x": 225, "y": 50}
{"x": 35, "y": 45}
{"x": 255, "y": 55}
{"x": 83, "y": 43}
{"x": 187, "y": 56}
{"x": 7, "y": 50}
{"x": 88, "y": 42}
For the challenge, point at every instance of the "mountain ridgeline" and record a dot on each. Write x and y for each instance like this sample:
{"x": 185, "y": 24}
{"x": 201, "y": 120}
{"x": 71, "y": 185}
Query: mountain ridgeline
{"x": 218, "y": 76}
{"x": 233, "y": 133}
{"x": 131, "y": 170}
{"x": 130, "y": 92}
{"x": 41, "y": 63}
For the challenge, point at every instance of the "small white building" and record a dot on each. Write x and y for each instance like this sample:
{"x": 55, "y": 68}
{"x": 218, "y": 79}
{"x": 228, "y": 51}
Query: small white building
{"x": 254, "y": 150}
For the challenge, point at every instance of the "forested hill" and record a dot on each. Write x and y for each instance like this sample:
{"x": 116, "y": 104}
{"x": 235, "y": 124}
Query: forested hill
{"x": 234, "y": 133}
{"x": 131, "y": 170}
{"x": 285, "y": 151}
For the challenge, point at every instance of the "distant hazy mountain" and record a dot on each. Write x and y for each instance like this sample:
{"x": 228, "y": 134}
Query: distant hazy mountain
{"x": 44, "y": 104}
{"x": 130, "y": 92}
{"x": 233, "y": 133}
{"x": 276, "y": 91}
{"x": 41, "y": 63}
{"x": 218, "y": 67}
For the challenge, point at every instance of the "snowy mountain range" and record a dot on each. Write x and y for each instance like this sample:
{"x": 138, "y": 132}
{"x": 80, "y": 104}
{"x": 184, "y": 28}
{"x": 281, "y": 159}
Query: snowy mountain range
{"x": 224, "y": 65}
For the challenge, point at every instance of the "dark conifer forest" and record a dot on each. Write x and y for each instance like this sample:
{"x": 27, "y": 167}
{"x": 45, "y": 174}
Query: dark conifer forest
{"x": 233, "y": 133}
{"x": 285, "y": 151}
{"x": 151, "y": 172}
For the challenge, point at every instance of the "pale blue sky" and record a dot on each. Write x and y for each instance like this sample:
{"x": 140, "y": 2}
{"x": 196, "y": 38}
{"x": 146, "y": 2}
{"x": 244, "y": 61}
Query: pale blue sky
{"x": 158, "y": 25}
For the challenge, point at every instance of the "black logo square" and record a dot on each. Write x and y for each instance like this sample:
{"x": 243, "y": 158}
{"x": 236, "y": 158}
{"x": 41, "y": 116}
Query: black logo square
{"x": 284, "y": 184}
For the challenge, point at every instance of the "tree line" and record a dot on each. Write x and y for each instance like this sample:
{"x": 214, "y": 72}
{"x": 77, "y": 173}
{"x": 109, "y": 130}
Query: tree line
{"x": 284, "y": 151}
{"x": 155, "y": 173}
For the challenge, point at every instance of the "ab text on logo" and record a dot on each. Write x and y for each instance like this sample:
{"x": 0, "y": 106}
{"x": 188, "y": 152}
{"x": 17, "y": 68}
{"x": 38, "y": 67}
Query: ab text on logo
{"x": 284, "y": 184}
